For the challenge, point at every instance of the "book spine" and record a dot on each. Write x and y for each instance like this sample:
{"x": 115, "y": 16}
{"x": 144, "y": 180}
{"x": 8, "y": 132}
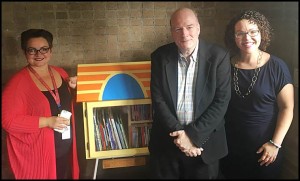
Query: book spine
{"x": 120, "y": 132}
{"x": 123, "y": 133}
{"x": 116, "y": 133}
{"x": 97, "y": 135}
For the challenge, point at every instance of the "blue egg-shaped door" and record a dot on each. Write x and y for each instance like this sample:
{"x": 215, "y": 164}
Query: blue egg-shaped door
{"x": 122, "y": 87}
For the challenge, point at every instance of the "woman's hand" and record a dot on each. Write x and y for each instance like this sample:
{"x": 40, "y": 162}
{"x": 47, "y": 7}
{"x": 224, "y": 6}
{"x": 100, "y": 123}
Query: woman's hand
{"x": 269, "y": 154}
{"x": 56, "y": 122}
{"x": 73, "y": 82}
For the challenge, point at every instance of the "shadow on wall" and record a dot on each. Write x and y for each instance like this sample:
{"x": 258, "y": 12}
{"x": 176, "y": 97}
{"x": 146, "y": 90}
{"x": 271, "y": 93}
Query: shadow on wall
{"x": 11, "y": 49}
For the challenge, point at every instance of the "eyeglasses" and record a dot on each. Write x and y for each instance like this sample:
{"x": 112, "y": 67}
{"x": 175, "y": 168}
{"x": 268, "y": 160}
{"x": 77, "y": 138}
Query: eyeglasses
{"x": 33, "y": 51}
{"x": 251, "y": 33}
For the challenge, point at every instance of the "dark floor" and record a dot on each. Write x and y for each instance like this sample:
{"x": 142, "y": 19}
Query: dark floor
{"x": 123, "y": 173}
{"x": 86, "y": 165}
{"x": 86, "y": 168}
{"x": 136, "y": 172}
{"x": 114, "y": 173}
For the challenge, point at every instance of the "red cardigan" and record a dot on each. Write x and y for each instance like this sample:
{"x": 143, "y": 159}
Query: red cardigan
{"x": 31, "y": 149}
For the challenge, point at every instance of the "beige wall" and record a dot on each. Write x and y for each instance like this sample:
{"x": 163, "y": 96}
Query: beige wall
{"x": 94, "y": 32}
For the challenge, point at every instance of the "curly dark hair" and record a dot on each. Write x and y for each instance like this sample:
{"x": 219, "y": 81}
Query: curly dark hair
{"x": 253, "y": 17}
{"x": 35, "y": 33}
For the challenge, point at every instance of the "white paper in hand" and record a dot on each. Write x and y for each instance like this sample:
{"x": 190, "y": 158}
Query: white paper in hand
{"x": 67, "y": 115}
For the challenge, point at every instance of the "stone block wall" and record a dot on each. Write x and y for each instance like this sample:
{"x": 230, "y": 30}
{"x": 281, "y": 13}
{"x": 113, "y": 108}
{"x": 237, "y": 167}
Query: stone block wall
{"x": 112, "y": 31}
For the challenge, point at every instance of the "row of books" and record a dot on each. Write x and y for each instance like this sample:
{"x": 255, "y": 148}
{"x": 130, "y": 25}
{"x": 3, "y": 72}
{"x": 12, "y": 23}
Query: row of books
{"x": 109, "y": 130}
{"x": 140, "y": 112}
{"x": 140, "y": 135}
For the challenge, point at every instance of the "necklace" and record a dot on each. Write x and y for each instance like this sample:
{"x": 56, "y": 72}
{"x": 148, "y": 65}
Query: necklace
{"x": 56, "y": 95}
{"x": 253, "y": 80}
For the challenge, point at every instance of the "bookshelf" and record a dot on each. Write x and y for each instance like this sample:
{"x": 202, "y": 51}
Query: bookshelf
{"x": 116, "y": 112}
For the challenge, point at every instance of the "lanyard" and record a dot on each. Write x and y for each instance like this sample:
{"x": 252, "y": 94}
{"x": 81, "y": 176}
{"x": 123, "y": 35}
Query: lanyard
{"x": 56, "y": 95}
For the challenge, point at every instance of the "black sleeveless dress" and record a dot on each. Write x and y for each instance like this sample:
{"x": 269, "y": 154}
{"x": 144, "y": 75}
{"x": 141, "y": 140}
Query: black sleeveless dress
{"x": 63, "y": 148}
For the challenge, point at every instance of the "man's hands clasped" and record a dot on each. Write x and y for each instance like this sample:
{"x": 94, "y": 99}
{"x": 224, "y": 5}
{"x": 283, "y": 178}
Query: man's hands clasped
{"x": 183, "y": 142}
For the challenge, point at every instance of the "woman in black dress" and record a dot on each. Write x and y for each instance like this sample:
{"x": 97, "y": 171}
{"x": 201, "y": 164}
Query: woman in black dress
{"x": 262, "y": 101}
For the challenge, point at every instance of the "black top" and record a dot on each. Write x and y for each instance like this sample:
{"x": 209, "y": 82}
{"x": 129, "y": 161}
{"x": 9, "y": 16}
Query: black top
{"x": 250, "y": 122}
{"x": 62, "y": 147}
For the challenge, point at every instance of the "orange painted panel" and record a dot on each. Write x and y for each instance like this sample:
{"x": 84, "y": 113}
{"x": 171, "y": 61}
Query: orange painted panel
{"x": 143, "y": 75}
{"x": 83, "y": 87}
{"x": 103, "y": 68}
{"x": 146, "y": 83}
{"x": 149, "y": 93}
{"x": 87, "y": 97}
{"x": 91, "y": 77}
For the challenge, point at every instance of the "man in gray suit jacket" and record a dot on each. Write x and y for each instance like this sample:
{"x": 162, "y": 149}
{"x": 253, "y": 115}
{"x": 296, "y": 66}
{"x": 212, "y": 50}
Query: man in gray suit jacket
{"x": 190, "y": 92}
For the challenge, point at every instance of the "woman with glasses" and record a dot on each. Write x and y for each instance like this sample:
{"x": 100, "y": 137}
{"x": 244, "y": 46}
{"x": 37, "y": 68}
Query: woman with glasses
{"x": 31, "y": 103}
{"x": 260, "y": 111}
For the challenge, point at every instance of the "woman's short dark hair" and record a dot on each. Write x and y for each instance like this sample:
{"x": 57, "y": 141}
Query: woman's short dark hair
{"x": 253, "y": 17}
{"x": 35, "y": 33}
